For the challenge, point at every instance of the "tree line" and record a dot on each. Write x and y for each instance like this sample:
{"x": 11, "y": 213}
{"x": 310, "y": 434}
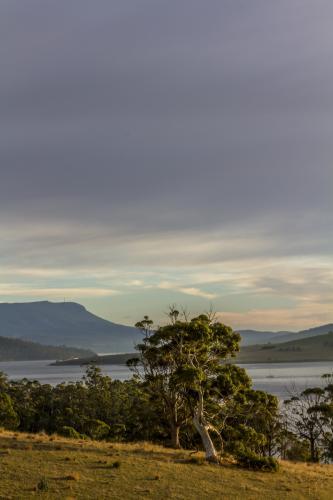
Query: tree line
{"x": 184, "y": 392}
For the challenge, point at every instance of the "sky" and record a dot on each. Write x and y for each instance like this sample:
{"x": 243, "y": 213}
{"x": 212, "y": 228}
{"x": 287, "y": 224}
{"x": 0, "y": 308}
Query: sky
{"x": 155, "y": 152}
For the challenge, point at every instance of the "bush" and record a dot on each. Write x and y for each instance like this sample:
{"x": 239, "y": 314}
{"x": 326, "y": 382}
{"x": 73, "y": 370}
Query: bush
{"x": 70, "y": 432}
{"x": 252, "y": 461}
{"x": 197, "y": 461}
{"x": 8, "y": 416}
{"x": 97, "y": 429}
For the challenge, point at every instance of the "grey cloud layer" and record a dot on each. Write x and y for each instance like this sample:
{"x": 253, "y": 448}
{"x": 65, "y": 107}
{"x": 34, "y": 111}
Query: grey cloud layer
{"x": 159, "y": 114}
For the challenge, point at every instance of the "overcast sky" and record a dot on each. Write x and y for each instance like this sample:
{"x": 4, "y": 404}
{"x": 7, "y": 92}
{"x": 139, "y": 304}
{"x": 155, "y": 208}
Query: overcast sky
{"x": 169, "y": 151}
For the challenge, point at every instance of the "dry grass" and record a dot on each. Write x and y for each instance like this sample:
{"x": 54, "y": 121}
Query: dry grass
{"x": 85, "y": 469}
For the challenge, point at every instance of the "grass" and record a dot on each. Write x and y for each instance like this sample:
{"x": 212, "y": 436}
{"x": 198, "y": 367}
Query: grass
{"x": 69, "y": 469}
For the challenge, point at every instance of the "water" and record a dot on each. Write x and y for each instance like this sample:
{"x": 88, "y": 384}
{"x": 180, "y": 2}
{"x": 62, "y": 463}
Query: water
{"x": 276, "y": 378}
{"x": 281, "y": 378}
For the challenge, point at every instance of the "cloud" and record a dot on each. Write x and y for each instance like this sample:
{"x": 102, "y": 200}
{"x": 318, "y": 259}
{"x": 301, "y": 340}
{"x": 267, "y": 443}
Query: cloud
{"x": 176, "y": 287}
{"x": 16, "y": 290}
{"x": 196, "y": 292}
{"x": 305, "y": 316}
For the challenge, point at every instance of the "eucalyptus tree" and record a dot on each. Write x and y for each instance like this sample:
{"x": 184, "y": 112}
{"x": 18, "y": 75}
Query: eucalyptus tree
{"x": 182, "y": 364}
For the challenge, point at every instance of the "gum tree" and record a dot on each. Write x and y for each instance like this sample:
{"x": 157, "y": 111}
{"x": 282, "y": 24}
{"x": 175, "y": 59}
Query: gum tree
{"x": 183, "y": 361}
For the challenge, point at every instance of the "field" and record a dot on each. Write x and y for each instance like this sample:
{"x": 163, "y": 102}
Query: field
{"x": 40, "y": 466}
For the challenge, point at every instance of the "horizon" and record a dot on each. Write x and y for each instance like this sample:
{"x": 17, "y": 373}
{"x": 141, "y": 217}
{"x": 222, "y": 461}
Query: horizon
{"x": 169, "y": 152}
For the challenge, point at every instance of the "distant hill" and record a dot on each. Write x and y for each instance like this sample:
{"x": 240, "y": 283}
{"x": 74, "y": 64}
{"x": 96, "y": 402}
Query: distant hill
{"x": 315, "y": 348}
{"x": 251, "y": 337}
{"x": 23, "y": 350}
{"x": 65, "y": 323}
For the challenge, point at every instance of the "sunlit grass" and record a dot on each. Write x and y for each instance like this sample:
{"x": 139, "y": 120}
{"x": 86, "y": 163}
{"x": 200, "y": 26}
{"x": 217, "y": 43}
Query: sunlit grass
{"x": 54, "y": 467}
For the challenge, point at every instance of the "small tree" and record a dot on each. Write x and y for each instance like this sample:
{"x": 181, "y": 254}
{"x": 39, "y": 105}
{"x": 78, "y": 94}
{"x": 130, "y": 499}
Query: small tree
{"x": 305, "y": 418}
{"x": 325, "y": 411}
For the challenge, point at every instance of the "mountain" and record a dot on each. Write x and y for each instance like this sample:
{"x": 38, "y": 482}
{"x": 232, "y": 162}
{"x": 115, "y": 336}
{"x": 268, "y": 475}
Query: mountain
{"x": 23, "y": 350}
{"x": 251, "y": 337}
{"x": 69, "y": 323}
{"x": 315, "y": 348}
{"x": 65, "y": 323}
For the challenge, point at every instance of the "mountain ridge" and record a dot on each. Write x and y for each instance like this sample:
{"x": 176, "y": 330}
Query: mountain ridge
{"x": 252, "y": 337}
{"x": 70, "y": 323}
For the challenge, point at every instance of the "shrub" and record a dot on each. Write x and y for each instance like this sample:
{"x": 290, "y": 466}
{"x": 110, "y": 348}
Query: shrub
{"x": 196, "y": 460}
{"x": 8, "y": 416}
{"x": 70, "y": 432}
{"x": 251, "y": 460}
{"x": 97, "y": 429}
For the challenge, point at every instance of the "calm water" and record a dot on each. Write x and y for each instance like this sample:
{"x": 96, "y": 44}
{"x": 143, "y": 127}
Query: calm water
{"x": 276, "y": 378}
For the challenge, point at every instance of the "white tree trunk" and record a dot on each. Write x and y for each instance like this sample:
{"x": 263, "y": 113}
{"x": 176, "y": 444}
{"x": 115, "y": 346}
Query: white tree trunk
{"x": 203, "y": 429}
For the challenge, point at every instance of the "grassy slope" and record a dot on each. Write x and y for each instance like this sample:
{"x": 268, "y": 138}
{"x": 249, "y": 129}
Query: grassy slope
{"x": 83, "y": 469}
{"x": 318, "y": 348}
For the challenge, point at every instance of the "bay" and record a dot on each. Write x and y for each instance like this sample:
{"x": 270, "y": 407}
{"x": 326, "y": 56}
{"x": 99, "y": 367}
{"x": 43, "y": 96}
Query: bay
{"x": 276, "y": 378}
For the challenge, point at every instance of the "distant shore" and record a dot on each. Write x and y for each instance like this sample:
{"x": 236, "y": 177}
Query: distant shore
{"x": 312, "y": 349}
{"x": 104, "y": 359}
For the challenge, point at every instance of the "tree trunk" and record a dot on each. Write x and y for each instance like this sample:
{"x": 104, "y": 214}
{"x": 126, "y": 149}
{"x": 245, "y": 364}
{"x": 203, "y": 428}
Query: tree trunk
{"x": 175, "y": 436}
{"x": 313, "y": 452}
{"x": 203, "y": 429}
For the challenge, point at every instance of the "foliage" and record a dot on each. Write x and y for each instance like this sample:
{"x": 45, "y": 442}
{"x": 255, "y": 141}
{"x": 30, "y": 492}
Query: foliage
{"x": 70, "y": 432}
{"x": 250, "y": 460}
{"x": 310, "y": 419}
{"x": 97, "y": 429}
{"x": 8, "y": 416}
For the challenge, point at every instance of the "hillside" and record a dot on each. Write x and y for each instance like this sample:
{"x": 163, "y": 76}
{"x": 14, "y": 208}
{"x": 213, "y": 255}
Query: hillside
{"x": 23, "y": 350}
{"x": 318, "y": 348}
{"x": 252, "y": 337}
{"x": 89, "y": 470}
{"x": 68, "y": 323}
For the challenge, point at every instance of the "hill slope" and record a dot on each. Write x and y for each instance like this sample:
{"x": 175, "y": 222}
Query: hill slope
{"x": 68, "y": 323}
{"x": 252, "y": 337}
{"x": 318, "y": 348}
{"x": 23, "y": 350}
{"x": 84, "y": 470}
